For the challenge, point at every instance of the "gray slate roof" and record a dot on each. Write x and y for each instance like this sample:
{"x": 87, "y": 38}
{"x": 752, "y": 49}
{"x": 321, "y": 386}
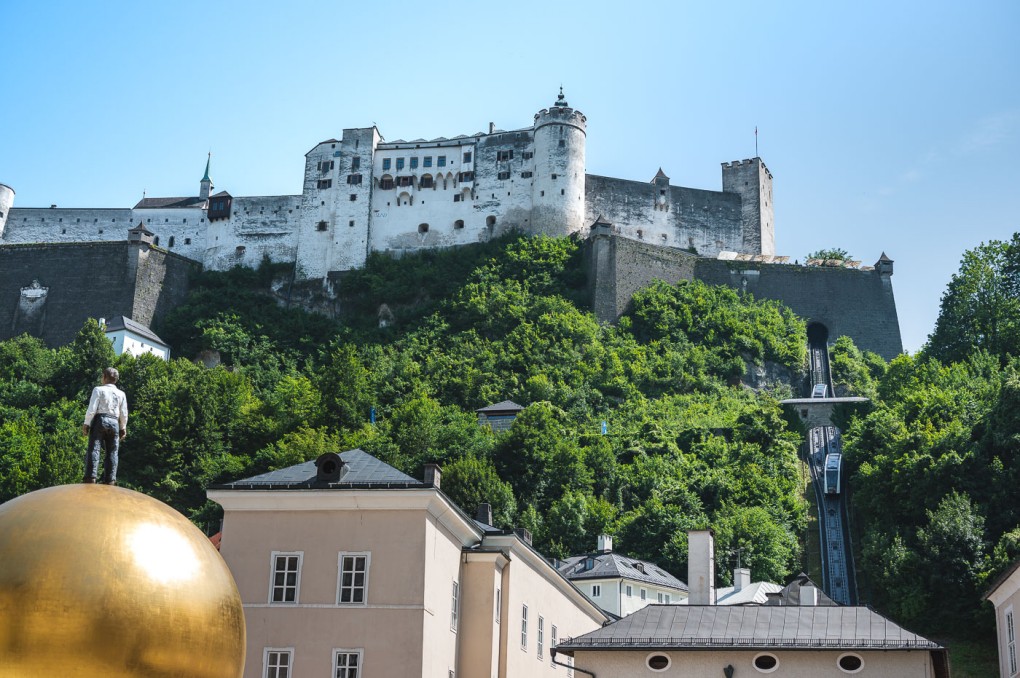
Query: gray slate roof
{"x": 122, "y": 322}
{"x": 505, "y": 406}
{"x": 154, "y": 203}
{"x": 705, "y": 626}
{"x": 615, "y": 565}
{"x": 363, "y": 470}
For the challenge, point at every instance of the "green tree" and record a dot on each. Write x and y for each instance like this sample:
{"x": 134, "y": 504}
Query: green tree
{"x": 981, "y": 306}
{"x": 829, "y": 254}
{"x": 470, "y": 481}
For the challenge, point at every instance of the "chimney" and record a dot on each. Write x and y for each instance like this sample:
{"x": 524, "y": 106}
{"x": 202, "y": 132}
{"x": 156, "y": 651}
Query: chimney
{"x": 524, "y": 534}
{"x": 433, "y": 474}
{"x": 701, "y": 567}
{"x": 492, "y": 128}
{"x": 605, "y": 543}
{"x": 484, "y": 514}
{"x": 808, "y": 594}
{"x": 741, "y": 578}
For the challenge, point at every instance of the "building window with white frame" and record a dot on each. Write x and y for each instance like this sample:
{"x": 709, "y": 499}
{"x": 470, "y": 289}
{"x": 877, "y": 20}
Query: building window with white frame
{"x": 644, "y": 594}
{"x": 524, "y": 628}
{"x": 347, "y": 663}
{"x": 630, "y": 591}
{"x": 352, "y": 587}
{"x": 499, "y": 604}
{"x": 552, "y": 643}
{"x": 1010, "y": 641}
{"x": 541, "y": 636}
{"x": 286, "y": 580}
{"x": 277, "y": 662}
{"x": 455, "y": 606}
{"x": 596, "y": 590}
{"x": 660, "y": 597}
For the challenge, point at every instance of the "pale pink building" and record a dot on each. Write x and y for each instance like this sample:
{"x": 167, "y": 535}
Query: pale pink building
{"x": 349, "y": 568}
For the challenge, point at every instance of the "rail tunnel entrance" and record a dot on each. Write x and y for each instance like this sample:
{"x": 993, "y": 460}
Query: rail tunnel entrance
{"x": 817, "y": 333}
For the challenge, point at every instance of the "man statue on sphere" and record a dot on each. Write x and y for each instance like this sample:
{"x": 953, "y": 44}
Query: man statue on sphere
{"x": 105, "y": 425}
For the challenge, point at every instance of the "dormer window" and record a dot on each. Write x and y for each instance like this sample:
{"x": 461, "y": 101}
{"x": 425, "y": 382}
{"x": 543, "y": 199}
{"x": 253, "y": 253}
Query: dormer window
{"x": 589, "y": 563}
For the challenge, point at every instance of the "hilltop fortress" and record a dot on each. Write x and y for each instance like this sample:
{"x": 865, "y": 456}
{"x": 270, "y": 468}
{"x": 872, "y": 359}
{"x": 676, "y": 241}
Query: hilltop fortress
{"x": 363, "y": 194}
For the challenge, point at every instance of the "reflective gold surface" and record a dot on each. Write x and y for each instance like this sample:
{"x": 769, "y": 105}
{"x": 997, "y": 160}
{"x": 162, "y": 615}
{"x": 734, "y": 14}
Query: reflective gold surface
{"x": 99, "y": 581}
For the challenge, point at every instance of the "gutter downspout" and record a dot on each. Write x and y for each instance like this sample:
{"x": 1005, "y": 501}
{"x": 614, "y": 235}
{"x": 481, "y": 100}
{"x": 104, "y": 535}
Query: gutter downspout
{"x": 552, "y": 652}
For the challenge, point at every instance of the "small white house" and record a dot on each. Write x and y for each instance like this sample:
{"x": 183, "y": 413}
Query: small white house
{"x": 134, "y": 338}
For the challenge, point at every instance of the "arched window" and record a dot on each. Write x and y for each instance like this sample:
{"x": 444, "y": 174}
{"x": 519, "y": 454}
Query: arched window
{"x": 490, "y": 221}
{"x": 426, "y": 181}
{"x": 155, "y": 241}
{"x": 459, "y": 224}
{"x": 171, "y": 242}
{"x": 423, "y": 228}
{"x": 385, "y": 182}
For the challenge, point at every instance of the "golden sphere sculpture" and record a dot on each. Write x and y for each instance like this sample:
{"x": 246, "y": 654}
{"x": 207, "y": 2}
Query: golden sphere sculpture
{"x": 99, "y": 581}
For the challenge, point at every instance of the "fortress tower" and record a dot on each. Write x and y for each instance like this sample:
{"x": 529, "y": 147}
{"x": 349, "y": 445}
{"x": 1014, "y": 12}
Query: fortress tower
{"x": 752, "y": 181}
{"x": 205, "y": 185}
{"x": 558, "y": 191}
{"x": 6, "y": 202}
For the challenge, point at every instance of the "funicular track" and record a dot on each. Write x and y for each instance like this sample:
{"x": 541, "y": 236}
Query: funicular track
{"x": 824, "y": 456}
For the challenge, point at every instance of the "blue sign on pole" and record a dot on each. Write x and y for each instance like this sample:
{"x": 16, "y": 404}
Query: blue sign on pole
{"x": 605, "y": 428}
{"x": 371, "y": 415}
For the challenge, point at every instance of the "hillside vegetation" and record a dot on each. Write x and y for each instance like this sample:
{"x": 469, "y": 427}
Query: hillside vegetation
{"x": 932, "y": 460}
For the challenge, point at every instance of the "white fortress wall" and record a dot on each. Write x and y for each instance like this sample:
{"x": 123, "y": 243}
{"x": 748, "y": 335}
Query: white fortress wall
{"x": 258, "y": 227}
{"x": 56, "y": 224}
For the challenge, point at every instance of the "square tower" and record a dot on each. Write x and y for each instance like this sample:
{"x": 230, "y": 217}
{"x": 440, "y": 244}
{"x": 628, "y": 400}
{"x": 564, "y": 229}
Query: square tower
{"x": 752, "y": 181}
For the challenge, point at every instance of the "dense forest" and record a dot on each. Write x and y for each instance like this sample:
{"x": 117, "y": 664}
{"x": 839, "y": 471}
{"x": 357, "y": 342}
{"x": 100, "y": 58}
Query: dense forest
{"x": 686, "y": 442}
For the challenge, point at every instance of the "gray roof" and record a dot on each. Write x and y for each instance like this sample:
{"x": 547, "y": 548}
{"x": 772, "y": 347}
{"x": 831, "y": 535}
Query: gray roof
{"x": 614, "y": 565}
{"x": 750, "y": 627}
{"x": 755, "y": 593}
{"x": 362, "y": 470}
{"x": 122, "y": 322}
{"x": 505, "y": 406}
{"x": 154, "y": 203}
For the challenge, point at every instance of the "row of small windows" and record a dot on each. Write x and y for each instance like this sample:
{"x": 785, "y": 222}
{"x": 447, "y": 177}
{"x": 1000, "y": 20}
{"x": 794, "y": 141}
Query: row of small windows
{"x": 352, "y": 578}
{"x": 279, "y": 663}
{"x": 540, "y": 639}
{"x": 426, "y": 161}
{"x": 764, "y": 662}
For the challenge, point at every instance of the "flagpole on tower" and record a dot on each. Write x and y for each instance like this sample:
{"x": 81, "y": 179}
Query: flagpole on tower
{"x": 756, "y": 141}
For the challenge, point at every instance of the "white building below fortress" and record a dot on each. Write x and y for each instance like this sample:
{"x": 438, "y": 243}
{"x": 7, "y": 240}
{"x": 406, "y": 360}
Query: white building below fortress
{"x": 363, "y": 194}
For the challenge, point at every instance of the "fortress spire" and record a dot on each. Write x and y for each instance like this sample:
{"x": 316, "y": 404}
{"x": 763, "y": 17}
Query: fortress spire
{"x": 205, "y": 186}
{"x": 561, "y": 100}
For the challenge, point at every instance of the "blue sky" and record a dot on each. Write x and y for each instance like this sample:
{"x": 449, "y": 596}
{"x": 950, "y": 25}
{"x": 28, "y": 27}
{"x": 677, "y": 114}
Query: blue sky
{"x": 888, "y": 126}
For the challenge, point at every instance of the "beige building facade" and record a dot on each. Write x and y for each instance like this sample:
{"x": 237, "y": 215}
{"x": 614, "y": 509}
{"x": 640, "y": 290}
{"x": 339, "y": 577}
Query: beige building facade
{"x": 348, "y": 568}
{"x": 1005, "y": 596}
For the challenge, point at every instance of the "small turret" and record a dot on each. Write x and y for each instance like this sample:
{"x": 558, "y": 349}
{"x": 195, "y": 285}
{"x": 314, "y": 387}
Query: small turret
{"x": 884, "y": 265}
{"x": 6, "y": 202}
{"x": 206, "y": 185}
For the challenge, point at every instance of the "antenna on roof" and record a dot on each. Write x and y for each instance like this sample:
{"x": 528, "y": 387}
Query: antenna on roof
{"x": 756, "y": 141}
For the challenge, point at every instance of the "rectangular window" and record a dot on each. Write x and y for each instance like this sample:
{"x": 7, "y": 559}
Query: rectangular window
{"x": 466, "y": 176}
{"x": 503, "y": 176}
{"x": 414, "y": 163}
{"x": 526, "y": 175}
{"x": 440, "y": 161}
{"x": 541, "y": 637}
{"x": 630, "y": 590}
{"x": 552, "y": 643}
{"x": 352, "y": 587}
{"x": 524, "y": 628}
{"x": 355, "y": 163}
{"x": 325, "y": 183}
{"x": 644, "y": 594}
{"x": 347, "y": 664}
{"x": 499, "y": 604}
{"x": 386, "y": 183}
{"x": 503, "y": 156}
{"x": 455, "y": 606}
{"x": 1010, "y": 641}
{"x": 659, "y": 598}
{"x": 563, "y": 142}
{"x": 386, "y": 164}
{"x": 276, "y": 662}
{"x": 405, "y": 181}
{"x": 668, "y": 599}
{"x": 596, "y": 590}
{"x": 353, "y": 179}
{"x": 400, "y": 163}
{"x": 528, "y": 155}
{"x": 354, "y": 196}
{"x": 426, "y": 161}
{"x": 467, "y": 157}
{"x": 456, "y": 197}
{"x": 286, "y": 577}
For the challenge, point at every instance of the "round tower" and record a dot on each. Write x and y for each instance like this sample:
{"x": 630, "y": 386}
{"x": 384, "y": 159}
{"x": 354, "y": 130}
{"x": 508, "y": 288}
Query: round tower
{"x": 558, "y": 189}
{"x": 6, "y": 202}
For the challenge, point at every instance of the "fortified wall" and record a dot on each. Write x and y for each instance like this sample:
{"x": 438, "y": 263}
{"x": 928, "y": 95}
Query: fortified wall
{"x": 49, "y": 291}
{"x": 853, "y": 302}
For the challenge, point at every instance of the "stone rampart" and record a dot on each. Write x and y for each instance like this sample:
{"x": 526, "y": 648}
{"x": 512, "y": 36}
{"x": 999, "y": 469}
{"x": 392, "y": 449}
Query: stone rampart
{"x": 50, "y": 290}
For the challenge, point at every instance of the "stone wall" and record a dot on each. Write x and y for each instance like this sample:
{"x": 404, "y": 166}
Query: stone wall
{"x": 80, "y": 281}
{"x": 856, "y": 303}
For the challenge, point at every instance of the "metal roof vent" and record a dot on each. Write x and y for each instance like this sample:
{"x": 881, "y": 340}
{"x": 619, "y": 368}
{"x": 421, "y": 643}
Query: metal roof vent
{"x": 330, "y": 468}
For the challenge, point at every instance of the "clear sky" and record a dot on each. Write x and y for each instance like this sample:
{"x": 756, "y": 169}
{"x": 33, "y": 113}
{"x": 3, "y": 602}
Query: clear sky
{"x": 888, "y": 126}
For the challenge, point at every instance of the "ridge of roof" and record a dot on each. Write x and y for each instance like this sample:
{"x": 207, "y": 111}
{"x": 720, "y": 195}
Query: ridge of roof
{"x": 612, "y": 564}
{"x": 364, "y": 470}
